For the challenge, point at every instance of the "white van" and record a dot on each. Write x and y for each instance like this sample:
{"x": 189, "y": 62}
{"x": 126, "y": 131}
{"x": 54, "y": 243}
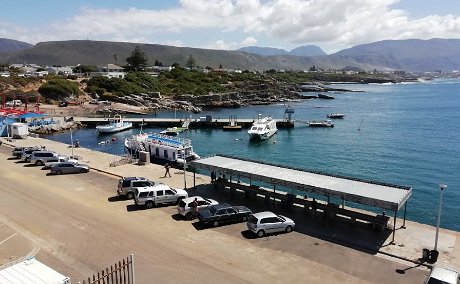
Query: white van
{"x": 159, "y": 194}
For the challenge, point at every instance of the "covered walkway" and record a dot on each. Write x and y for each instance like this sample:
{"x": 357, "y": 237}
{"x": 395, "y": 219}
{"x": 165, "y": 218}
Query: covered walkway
{"x": 370, "y": 193}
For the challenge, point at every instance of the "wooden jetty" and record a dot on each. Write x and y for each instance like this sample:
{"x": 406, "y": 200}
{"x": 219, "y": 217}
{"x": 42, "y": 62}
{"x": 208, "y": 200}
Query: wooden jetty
{"x": 218, "y": 123}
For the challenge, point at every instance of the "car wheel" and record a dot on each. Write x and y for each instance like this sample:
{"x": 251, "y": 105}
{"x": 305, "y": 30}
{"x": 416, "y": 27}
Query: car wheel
{"x": 149, "y": 205}
{"x": 261, "y": 233}
{"x": 59, "y": 172}
{"x": 27, "y": 160}
{"x": 83, "y": 171}
{"x": 215, "y": 223}
{"x": 130, "y": 195}
{"x": 189, "y": 216}
{"x": 288, "y": 229}
{"x": 245, "y": 218}
{"x": 39, "y": 163}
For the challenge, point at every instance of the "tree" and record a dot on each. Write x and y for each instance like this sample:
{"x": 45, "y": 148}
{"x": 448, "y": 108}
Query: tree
{"x": 137, "y": 61}
{"x": 191, "y": 62}
{"x": 115, "y": 57}
{"x": 158, "y": 63}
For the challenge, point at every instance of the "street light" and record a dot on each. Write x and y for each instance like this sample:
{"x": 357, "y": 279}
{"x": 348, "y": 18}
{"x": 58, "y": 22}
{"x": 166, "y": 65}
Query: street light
{"x": 441, "y": 187}
{"x": 185, "y": 179}
{"x": 71, "y": 141}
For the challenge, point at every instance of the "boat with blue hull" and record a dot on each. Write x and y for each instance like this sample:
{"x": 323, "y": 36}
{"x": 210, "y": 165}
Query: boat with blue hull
{"x": 162, "y": 148}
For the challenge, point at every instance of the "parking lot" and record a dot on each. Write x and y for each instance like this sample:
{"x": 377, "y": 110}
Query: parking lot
{"x": 78, "y": 225}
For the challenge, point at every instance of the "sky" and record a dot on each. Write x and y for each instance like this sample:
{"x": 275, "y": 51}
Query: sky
{"x": 332, "y": 25}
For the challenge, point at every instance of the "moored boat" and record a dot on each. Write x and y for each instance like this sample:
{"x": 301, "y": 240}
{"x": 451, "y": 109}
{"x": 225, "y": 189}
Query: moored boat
{"x": 262, "y": 128}
{"x": 321, "y": 123}
{"x": 115, "y": 124}
{"x": 336, "y": 115}
{"x": 327, "y": 97}
{"x": 162, "y": 148}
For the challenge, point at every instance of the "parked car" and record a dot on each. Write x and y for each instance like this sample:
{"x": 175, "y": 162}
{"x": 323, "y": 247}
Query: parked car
{"x": 17, "y": 151}
{"x": 94, "y": 101}
{"x": 63, "y": 104}
{"x": 59, "y": 159}
{"x": 443, "y": 275}
{"x": 27, "y": 153}
{"x": 105, "y": 102}
{"x": 39, "y": 158}
{"x": 185, "y": 206}
{"x": 69, "y": 168}
{"x": 127, "y": 185}
{"x": 159, "y": 194}
{"x": 223, "y": 213}
{"x": 268, "y": 222}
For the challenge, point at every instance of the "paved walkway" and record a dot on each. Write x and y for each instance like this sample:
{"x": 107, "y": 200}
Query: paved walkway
{"x": 409, "y": 242}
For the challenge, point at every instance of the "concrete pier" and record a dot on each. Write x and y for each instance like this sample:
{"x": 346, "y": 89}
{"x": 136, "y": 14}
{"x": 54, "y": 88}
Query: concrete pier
{"x": 216, "y": 123}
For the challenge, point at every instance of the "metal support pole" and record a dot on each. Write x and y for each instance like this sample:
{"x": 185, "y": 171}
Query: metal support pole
{"x": 394, "y": 228}
{"x": 441, "y": 187}
{"x": 404, "y": 220}
{"x": 194, "y": 178}
{"x": 343, "y": 203}
{"x": 71, "y": 140}
{"x": 274, "y": 188}
{"x": 185, "y": 177}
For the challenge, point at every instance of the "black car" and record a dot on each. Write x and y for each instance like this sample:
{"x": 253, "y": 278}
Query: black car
{"x": 223, "y": 213}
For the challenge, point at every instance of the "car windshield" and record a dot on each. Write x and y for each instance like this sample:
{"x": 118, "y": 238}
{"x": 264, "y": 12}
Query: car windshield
{"x": 252, "y": 219}
{"x": 213, "y": 210}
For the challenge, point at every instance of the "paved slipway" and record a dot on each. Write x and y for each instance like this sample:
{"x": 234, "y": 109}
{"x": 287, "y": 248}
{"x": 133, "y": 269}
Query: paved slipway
{"x": 77, "y": 225}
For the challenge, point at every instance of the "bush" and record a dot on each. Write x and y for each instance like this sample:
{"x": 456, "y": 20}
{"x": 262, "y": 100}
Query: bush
{"x": 58, "y": 89}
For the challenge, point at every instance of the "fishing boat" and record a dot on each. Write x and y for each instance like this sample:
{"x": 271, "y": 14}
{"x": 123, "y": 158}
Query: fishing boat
{"x": 162, "y": 148}
{"x": 262, "y": 128}
{"x": 335, "y": 115}
{"x": 115, "y": 124}
{"x": 321, "y": 123}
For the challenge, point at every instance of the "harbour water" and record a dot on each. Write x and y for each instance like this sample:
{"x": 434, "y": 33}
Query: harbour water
{"x": 403, "y": 134}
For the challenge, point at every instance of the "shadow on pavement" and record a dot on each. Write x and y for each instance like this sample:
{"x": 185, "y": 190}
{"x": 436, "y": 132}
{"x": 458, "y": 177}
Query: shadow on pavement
{"x": 116, "y": 198}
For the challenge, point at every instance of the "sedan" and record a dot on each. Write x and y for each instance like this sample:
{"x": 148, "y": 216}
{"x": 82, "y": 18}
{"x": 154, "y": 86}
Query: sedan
{"x": 223, "y": 213}
{"x": 268, "y": 222}
{"x": 69, "y": 168}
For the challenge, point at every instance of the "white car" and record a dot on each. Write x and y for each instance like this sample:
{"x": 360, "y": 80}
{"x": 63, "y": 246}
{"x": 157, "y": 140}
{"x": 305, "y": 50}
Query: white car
{"x": 184, "y": 207}
{"x": 443, "y": 275}
{"x": 150, "y": 196}
{"x": 268, "y": 222}
{"x": 58, "y": 160}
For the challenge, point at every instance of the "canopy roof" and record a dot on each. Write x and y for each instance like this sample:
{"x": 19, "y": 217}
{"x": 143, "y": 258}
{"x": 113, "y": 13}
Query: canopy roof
{"x": 376, "y": 194}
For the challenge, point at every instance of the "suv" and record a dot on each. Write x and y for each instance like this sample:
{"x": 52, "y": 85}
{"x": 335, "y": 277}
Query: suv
{"x": 268, "y": 222}
{"x": 27, "y": 153}
{"x": 184, "y": 207}
{"x": 127, "y": 185}
{"x": 158, "y": 194}
{"x": 39, "y": 158}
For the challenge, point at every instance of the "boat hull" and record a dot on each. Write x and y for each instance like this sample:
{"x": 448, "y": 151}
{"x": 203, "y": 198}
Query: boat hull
{"x": 113, "y": 129}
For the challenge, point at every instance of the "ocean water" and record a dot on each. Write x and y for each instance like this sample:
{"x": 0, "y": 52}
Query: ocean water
{"x": 404, "y": 134}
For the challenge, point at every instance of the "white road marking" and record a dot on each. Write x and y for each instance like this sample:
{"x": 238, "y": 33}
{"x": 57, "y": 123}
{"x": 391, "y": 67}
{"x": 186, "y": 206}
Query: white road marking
{"x": 8, "y": 238}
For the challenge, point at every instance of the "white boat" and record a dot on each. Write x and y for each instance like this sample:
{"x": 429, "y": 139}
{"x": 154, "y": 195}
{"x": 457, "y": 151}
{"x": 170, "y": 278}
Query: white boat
{"x": 116, "y": 124}
{"x": 321, "y": 123}
{"x": 262, "y": 128}
{"x": 162, "y": 148}
{"x": 336, "y": 115}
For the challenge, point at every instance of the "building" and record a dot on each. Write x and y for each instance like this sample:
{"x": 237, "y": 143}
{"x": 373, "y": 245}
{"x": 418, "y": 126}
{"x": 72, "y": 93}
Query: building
{"x": 109, "y": 71}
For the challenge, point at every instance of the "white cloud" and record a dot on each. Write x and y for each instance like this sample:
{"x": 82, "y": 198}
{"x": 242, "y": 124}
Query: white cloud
{"x": 333, "y": 23}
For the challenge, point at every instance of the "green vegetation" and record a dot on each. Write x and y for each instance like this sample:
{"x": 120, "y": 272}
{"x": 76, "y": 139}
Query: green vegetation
{"x": 58, "y": 89}
{"x": 137, "y": 61}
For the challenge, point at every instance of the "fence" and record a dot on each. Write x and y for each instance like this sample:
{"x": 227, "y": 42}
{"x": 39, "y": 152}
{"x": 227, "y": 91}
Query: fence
{"x": 120, "y": 273}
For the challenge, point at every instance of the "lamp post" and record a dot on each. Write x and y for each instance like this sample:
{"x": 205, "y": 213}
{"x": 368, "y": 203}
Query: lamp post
{"x": 185, "y": 179}
{"x": 71, "y": 140}
{"x": 441, "y": 187}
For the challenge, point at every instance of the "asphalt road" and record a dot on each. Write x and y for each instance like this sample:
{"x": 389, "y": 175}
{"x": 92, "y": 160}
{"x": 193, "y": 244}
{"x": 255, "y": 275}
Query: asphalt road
{"x": 76, "y": 225}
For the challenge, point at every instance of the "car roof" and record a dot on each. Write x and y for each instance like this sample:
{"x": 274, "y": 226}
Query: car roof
{"x": 221, "y": 206}
{"x": 445, "y": 274}
{"x": 191, "y": 198}
{"x": 264, "y": 214}
{"x": 160, "y": 186}
{"x": 133, "y": 178}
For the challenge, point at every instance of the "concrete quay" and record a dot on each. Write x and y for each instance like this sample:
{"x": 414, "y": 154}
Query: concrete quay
{"x": 217, "y": 123}
{"x": 318, "y": 251}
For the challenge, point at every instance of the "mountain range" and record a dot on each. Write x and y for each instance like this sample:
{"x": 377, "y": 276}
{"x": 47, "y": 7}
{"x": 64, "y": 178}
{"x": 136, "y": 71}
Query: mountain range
{"x": 409, "y": 55}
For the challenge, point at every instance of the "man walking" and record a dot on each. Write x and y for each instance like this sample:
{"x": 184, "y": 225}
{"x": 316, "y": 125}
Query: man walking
{"x": 167, "y": 167}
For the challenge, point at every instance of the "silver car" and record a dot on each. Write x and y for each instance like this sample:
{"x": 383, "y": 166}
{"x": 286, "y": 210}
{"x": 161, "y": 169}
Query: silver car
{"x": 268, "y": 222}
{"x": 69, "y": 168}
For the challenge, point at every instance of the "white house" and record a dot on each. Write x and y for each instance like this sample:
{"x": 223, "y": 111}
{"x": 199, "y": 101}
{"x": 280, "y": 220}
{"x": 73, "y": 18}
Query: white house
{"x": 109, "y": 71}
